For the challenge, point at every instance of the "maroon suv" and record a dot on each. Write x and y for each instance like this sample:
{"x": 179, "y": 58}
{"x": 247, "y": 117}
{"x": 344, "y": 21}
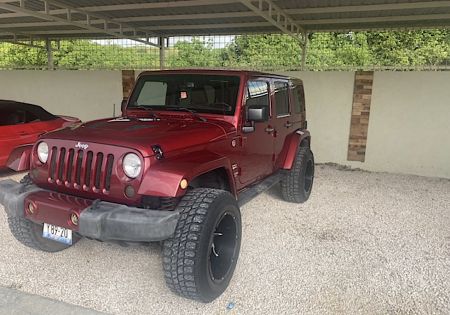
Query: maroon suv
{"x": 189, "y": 148}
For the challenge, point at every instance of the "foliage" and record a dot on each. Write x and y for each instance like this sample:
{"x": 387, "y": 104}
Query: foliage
{"x": 263, "y": 51}
{"x": 325, "y": 51}
{"x": 17, "y": 57}
{"x": 410, "y": 48}
{"x": 80, "y": 54}
{"x": 194, "y": 54}
{"x": 334, "y": 50}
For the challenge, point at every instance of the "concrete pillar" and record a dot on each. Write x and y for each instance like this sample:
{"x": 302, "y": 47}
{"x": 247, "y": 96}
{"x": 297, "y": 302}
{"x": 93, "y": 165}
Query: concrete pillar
{"x": 48, "y": 48}
{"x": 162, "y": 54}
{"x": 304, "y": 51}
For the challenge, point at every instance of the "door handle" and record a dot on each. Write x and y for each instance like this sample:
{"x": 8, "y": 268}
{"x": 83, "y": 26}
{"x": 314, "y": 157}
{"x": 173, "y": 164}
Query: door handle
{"x": 288, "y": 124}
{"x": 270, "y": 129}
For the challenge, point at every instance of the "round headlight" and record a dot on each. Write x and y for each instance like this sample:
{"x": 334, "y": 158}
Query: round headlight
{"x": 42, "y": 152}
{"x": 132, "y": 165}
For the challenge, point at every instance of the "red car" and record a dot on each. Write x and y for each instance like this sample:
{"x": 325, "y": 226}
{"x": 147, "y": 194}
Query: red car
{"x": 20, "y": 126}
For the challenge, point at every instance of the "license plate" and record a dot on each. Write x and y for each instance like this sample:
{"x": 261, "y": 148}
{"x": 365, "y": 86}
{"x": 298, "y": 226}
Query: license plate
{"x": 57, "y": 233}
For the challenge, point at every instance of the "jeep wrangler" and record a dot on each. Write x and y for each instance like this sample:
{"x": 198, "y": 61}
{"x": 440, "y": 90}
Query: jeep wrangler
{"x": 190, "y": 148}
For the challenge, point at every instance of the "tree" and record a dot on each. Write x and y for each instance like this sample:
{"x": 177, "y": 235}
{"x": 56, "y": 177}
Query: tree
{"x": 426, "y": 47}
{"x": 266, "y": 52}
{"x": 82, "y": 54}
{"x": 194, "y": 54}
{"x": 263, "y": 51}
{"x": 21, "y": 57}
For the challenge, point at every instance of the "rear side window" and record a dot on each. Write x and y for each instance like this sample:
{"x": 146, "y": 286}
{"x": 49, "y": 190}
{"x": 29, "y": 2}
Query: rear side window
{"x": 298, "y": 99}
{"x": 282, "y": 98}
{"x": 257, "y": 93}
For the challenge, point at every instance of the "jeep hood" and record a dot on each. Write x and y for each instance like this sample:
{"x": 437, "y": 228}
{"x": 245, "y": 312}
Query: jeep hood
{"x": 141, "y": 133}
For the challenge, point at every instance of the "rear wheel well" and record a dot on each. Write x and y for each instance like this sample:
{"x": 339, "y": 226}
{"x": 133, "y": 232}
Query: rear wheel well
{"x": 217, "y": 179}
{"x": 305, "y": 143}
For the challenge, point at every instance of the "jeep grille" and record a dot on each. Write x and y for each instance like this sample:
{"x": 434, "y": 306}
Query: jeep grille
{"x": 86, "y": 170}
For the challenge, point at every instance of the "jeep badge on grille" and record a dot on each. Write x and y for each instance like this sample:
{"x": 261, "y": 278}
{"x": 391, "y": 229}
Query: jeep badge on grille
{"x": 80, "y": 145}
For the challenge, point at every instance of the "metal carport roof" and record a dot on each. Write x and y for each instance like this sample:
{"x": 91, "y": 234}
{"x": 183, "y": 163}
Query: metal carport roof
{"x": 140, "y": 19}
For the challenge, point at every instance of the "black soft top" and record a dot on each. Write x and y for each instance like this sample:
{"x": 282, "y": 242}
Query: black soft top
{"x": 42, "y": 114}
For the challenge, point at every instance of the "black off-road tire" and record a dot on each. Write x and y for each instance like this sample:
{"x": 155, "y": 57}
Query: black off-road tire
{"x": 30, "y": 234}
{"x": 208, "y": 232}
{"x": 296, "y": 186}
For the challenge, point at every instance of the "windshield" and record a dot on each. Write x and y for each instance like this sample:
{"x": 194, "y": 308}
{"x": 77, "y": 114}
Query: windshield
{"x": 213, "y": 94}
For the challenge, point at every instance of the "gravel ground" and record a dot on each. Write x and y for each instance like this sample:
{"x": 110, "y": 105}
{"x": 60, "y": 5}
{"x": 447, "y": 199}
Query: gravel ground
{"x": 365, "y": 243}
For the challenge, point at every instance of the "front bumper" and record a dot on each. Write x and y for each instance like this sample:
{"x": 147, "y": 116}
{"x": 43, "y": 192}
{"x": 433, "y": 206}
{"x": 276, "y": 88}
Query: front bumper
{"x": 98, "y": 220}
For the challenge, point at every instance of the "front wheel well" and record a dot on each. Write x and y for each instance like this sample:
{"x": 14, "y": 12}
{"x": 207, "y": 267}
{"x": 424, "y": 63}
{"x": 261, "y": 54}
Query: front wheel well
{"x": 216, "y": 179}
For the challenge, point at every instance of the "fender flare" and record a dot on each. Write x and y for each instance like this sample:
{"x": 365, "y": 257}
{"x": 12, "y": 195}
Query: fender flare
{"x": 291, "y": 147}
{"x": 163, "y": 179}
{"x": 20, "y": 158}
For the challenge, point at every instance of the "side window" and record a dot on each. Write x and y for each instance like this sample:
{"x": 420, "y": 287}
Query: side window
{"x": 257, "y": 93}
{"x": 30, "y": 117}
{"x": 282, "y": 98}
{"x": 8, "y": 117}
{"x": 298, "y": 99}
{"x": 12, "y": 117}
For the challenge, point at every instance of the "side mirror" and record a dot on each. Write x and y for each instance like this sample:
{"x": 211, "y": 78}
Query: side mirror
{"x": 123, "y": 105}
{"x": 257, "y": 113}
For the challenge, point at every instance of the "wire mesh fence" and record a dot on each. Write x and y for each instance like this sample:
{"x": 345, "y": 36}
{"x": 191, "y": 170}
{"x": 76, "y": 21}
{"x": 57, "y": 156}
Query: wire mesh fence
{"x": 80, "y": 54}
{"x": 420, "y": 50}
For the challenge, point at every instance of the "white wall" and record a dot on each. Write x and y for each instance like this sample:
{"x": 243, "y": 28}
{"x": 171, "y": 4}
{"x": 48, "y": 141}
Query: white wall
{"x": 409, "y": 127}
{"x": 84, "y": 94}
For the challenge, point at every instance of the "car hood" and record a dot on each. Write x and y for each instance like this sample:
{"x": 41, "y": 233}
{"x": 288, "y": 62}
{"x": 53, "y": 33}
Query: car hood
{"x": 142, "y": 133}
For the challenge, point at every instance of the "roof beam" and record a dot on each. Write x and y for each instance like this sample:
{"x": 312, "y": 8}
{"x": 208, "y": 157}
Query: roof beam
{"x": 157, "y": 5}
{"x": 68, "y": 21}
{"x": 282, "y": 21}
{"x": 133, "y": 6}
{"x": 190, "y": 3}
{"x": 171, "y": 17}
{"x": 401, "y": 18}
{"x": 177, "y": 17}
{"x": 346, "y": 29}
{"x": 196, "y": 17}
{"x": 18, "y": 39}
{"x": 372, "y": 7}
{"x": 156, "y": 28}
{"x": 137, "y": 32}
{"x": 208, "y": 26}
{"x": 229, "y": 29}
{"x": 266, "y": 10}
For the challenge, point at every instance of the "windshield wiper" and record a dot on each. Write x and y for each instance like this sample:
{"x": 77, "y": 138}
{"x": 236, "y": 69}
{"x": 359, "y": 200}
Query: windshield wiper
{"x": 184, "y": 109}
